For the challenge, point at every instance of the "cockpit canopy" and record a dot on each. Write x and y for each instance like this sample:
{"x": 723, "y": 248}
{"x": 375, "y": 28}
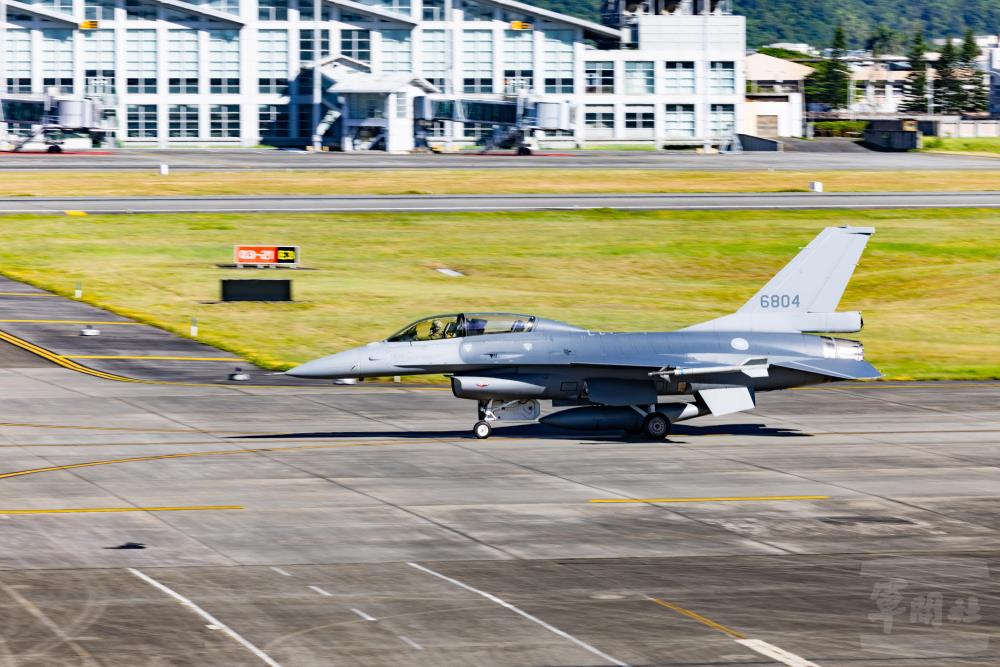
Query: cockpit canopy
{"x": 462, "y": 325}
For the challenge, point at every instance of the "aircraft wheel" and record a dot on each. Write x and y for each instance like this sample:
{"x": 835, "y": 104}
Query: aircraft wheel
{"x": 482, "y": 430}
{"x": 656, "y": 426}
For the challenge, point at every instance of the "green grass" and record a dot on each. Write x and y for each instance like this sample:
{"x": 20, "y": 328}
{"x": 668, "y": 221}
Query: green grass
{"x": 954, "y": 145}
{"x": 927, "y": 284}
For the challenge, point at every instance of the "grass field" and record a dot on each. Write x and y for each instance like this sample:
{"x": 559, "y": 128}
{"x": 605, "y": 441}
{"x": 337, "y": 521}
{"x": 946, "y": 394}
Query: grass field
{"x": 927, "y": 284}
{"x": 476, "y": 181}
{"x": 984, "y": 146}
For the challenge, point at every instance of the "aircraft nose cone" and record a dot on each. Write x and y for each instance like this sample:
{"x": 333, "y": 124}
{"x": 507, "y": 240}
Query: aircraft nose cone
{"x": 340, "y": 365}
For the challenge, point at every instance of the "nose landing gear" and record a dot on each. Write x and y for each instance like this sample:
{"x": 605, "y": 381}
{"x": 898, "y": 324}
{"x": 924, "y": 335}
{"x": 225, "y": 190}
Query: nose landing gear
{"x": 492, "y": 410}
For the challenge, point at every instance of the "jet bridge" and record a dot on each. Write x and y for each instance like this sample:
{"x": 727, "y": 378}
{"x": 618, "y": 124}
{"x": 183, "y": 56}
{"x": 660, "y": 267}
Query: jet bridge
{"x": 514, "y": 121}
{"x": 47, "y": 118}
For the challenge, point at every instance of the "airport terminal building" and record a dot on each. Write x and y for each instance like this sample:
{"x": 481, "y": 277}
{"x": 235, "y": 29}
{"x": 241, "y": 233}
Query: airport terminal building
{"x": 382, "y": 74}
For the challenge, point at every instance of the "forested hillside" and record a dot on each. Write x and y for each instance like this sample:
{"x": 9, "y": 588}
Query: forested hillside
{"x": 813, "y": 21}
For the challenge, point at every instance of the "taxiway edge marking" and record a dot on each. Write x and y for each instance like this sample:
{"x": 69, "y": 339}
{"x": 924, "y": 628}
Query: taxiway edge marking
{"x": 725, "y": 499}
{"x": 534, "y": 619}
{"x": 265, "y": 658}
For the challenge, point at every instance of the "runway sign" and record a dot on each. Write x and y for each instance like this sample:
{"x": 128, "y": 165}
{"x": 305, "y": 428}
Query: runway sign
{"x": 266, "y": 255}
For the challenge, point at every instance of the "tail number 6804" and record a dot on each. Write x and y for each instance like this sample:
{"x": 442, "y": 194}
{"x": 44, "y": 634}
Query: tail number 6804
{"x": 779, "y": 300}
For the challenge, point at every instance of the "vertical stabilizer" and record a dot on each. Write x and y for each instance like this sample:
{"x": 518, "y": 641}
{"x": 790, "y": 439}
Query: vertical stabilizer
{"x": 803, "y": 296}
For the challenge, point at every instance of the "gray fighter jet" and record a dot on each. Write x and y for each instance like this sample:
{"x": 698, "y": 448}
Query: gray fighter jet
{"x": 508, "y": 363}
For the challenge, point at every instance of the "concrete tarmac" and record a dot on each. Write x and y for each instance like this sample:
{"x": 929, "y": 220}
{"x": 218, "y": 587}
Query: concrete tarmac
{"x": 264, "y": 159}
{"x": 853, "y": 525}
{"x": 452, "y": 203}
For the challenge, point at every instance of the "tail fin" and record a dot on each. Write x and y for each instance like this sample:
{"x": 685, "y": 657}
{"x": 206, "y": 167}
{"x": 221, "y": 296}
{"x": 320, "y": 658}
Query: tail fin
{"x": 804, "y": 295}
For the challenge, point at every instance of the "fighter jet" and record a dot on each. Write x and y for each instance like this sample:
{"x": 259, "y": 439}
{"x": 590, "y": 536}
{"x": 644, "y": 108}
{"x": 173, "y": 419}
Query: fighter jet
{"x": 507, "y": 363}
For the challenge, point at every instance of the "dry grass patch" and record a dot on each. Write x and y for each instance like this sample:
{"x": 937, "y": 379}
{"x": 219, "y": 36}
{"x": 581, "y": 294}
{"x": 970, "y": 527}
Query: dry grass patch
{"x": 476, "y": 181}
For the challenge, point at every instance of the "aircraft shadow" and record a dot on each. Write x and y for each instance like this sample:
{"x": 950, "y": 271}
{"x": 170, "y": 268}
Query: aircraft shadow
{"x": 539, "y": 431}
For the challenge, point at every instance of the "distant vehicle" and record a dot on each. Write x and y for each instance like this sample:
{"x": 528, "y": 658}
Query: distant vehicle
{"x": 508, "y": 363}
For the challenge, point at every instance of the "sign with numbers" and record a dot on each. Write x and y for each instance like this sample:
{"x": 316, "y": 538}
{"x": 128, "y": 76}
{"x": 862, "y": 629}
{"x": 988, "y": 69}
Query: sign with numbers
{"x": 89, "y": 25}
{"x": 521, "y": 25}
{"x": 266, "y": 255}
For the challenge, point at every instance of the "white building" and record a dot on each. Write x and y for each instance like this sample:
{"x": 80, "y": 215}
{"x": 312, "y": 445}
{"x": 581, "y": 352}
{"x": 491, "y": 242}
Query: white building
{"x": 347, "y": 73}
{"x": 775, "y": 102}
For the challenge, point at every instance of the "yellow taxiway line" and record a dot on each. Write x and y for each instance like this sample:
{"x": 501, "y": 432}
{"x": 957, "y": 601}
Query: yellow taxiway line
{"x": 148, "y": 357}
{"x": 698, "y": 617}
{"x": 721, "y": 499}
{"x": 89, "y": 510}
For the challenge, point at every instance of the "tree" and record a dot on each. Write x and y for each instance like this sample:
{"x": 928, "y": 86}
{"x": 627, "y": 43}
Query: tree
{"x": 949, "y": 81}
{"x": 831, "y": 79}
{"x": 976, "y": 90}
{"x": 915, "y": 98}
{"x": 884, "y": 40}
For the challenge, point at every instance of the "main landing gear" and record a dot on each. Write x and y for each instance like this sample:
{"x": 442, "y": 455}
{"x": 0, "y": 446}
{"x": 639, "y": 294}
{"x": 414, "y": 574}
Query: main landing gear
{"x": 526, "y": 410}
{"x": 655, "y": 425}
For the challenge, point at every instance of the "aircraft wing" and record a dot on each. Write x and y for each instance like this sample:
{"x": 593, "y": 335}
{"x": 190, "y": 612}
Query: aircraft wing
{"x": 844, "y": 369}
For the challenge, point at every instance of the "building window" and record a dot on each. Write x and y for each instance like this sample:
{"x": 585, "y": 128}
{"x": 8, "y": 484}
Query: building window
{"x": 227, "y": 6}
{"x": 434, "y": 10}
{"x": 678, "y": 121}
{"x": 272, "y": 10}
{"x": 308, "y": 52}
{"x": 366, "y": 105}
{"x": 600, "y": 76}
{"x": 141, "y": 120}
{"x": 639, "y": 117}
{"x": 97, "y": 10}
{"x": 397, "y": 53}
{"x": 402, "y": 105}
{"x": 272, "y": 61}
{"x": 18, "y": 59}
{"x": 436, "y": 129}
{"x": 356, "y": 44}
{"x": 224, "y": 61}
{"x": 476, "y": 130}
{"x": 477, "y": 67}
{"x": 99, "y": 59}
{"x": 679, "y": 79}
{"x": 397, "y": 6}
{"x": 224, "y": 120}
{"x": 639, "y": 78}
{"x": 307, "y": 10}
{"x": 722, "y": 120}
{"x": 518, "y": 61}
{"x": 304, "y": 114}
{"x": 182, "y": 61}
{"x": 473, "y": 11}
{"x": 183, "y": 120}
{"x": 57, "y": 59}
{"x": 273, "y": 120}
{"x": 558, "y": 61}
{"x": 722, "y": 77}
{"x": 435, "y": 58}
{"x": 140, "y": 61}
{"x": 136, "y": 10}
{"x": 599, "y": 118}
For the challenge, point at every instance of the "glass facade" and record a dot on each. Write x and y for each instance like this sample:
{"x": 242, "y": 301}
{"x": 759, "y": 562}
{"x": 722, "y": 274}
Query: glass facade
{"x": 600, "y": 77}
{"x": 477, "y": 61}
{"x": 182, "y": 61}
{"x": 272, "y": 61}
{"x": 397, "y": 51}
{"x": 558, "y": 61}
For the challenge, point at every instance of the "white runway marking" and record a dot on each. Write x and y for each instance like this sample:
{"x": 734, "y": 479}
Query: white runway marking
{"x": 411, "y": 643}
{"x": 281, "y": 572}
{"x": 363, "y": 615}
{"x": 265, "y": 658}
{"x": 321, "y": 591}
{"x": 534, "y": 619}
{"x": 775, "y": 653}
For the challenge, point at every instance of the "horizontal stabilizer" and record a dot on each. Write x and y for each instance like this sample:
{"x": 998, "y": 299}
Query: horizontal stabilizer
{"x": 842, "y": 369}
